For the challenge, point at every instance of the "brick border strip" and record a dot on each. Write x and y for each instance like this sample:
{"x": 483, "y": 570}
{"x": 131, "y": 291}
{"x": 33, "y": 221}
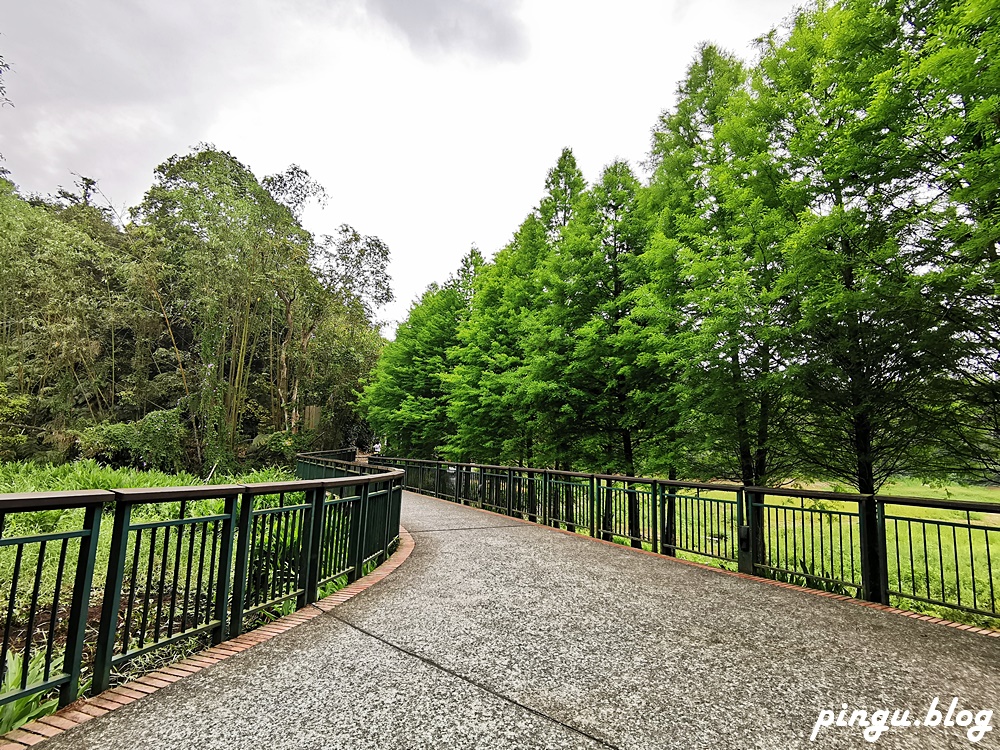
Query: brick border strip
{"x": 781, "y": 584}
{"x": 86, "y": 709}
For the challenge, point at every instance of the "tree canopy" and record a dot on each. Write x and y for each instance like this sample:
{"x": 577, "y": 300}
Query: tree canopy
{"x": 212, "y": 310}
{"x": 806, "y": 285}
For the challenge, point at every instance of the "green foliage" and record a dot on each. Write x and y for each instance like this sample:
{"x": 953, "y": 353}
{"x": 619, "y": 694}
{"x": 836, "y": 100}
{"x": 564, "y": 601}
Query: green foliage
{"x": 406, "y": 400}
{"x": 4, "y": 67}
{"x": 281, "y": 446}
{"x": 805, "y": 287}
{"x": 22, "y": 710}
{"x": 583, "y": 349}
{"x": 156, "y": 441}
{"x": 169, "y": 341}
{"x": 488, "y": 390}
{"x": 87, "y": 474}
{"x": 13, "y": 410}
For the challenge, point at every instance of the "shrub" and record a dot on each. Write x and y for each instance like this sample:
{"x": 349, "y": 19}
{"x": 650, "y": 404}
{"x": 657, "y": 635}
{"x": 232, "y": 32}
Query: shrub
{"x": 156, "y": 441}
{"x": 13, "y": 410}
{"x": 280, "y": 446}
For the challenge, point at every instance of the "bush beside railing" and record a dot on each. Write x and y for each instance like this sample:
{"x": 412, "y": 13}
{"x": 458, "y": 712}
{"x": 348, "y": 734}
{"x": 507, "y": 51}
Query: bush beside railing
{"x": 183, "y": 562}
{"x": 914, "y": 553}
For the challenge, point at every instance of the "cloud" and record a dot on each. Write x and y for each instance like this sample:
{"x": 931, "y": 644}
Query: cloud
{"x": 681, "y": 8}
{"x": 487, "y": 29}
{"x": 102, "y": 87}
{"x": 110, "y": 88}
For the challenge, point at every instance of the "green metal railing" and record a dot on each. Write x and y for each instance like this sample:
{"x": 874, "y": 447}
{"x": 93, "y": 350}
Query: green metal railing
{"x": 45, "y": 615}
{"x": 181, "y": 562}
{"x": 905, "y": 551}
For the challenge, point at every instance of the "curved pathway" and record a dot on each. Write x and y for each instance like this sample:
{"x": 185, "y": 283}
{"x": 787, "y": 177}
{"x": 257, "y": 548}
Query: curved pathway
{"x": 497, "y": 633}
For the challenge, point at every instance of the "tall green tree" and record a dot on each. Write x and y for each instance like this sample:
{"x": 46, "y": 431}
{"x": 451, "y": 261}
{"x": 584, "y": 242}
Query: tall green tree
{"x": 406, "y": 400}
{"x": 222, "y": 248}
{"x": 489, "y": 403}
{"x": 61, "y": 295}
{"x": 718, "y": 261}
{"x": 583, "y": 355}
{"x": 870, "y": 337}
{"x": 952, "y": 66}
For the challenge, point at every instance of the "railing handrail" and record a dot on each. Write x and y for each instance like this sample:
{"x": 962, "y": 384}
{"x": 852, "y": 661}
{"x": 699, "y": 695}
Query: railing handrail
{"x": 716, "y": 486}
{"x": 53, "y": 499}
{"x": 816, "y": 494}
{"x": 973, "y": 506}
{"x": 215, "y": 572}
{"x": 28, "y": 501}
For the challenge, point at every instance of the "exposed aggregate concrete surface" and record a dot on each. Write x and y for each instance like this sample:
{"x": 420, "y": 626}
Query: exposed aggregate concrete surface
{"x": 500, "y": 634}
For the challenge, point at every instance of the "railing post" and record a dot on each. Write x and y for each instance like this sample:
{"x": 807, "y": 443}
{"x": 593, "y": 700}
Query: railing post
{"x": 223, "y": 586}
{"x": 309, "y": 552}
{"x": 883, "y": 548}
{"x": 388, "y": 535}
{"x": 108, "y": 628}
{"x": 607, "y": 504}
{"x": 546, "y": 494}
{"x": 510, "y": 492}
{"x": 397, "y": 503}
{"x": 569, "y": 494}
{"x": 873, "y": 566}
{"x": 242, "y": 564}
{"x": 593, "y": 506}
{"x": 318, "y": 502}
{"x": 654, "y": 509}
{"x": 458, "y": 484}
{"x": 670, "y": 524}
{"x": 77, "y": 625}
{"x": 634, "y": 515}
{"x": 517, "y": 493}
{"x": 755, "y": 503}
{"x": 744, "y": 553}
{"x": 355, "y": 555}
{"x": 531, "y": 496}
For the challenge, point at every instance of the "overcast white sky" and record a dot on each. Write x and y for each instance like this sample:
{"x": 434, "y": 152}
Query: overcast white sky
{"x": 431, "y": 123}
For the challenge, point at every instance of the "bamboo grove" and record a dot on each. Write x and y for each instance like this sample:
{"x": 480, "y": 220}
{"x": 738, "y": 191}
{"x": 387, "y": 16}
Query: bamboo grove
{"x": 804, "y": 284}
{"x": 195, "y": 332}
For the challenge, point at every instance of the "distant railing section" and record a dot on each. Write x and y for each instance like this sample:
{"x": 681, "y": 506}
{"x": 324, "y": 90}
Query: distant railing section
{"x": 906, "y": 551}
{"x": 181, "y": 562}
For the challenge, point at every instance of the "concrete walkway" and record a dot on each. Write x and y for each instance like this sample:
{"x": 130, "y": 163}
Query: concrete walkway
{"x": 501, "y": 634}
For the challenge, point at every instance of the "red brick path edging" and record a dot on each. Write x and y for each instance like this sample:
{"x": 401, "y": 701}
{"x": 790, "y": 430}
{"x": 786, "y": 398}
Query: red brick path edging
{"x": 801, "y": 589}
{"x": 86, "y": 709}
